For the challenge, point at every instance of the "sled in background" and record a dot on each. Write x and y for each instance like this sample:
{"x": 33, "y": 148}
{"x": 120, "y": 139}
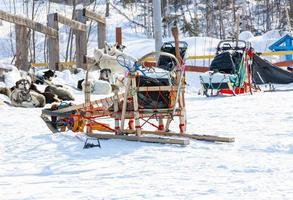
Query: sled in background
{"x": 229, "y": 72}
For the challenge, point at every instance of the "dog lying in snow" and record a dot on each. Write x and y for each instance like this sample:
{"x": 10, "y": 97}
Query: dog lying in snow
{"x": 26, "y": 94}
{"x": 50, "y": 97}
{"x": 22, "y": 96}
{"x": 61, "y": 92}
{"x": 101, "y": 86}
{"x": 47, "y": 77}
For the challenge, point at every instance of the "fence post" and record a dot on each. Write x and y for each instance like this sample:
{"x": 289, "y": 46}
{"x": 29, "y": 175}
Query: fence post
{"x": 21, "y": 61}
{"x": 53, "y": 43}
{"x": 80, "y": 39}
{"x": 118, "y": 35}
{"x": 101, "y": 35}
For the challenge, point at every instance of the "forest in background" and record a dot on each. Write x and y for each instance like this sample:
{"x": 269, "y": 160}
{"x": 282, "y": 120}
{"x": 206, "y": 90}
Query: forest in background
{"x": 211, "y": 18}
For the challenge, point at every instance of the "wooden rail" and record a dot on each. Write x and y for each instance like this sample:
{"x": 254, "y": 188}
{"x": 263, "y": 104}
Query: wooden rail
{"x": 266, "y": 54}
{"x": 36, "y": 26}
{"x": 94, "y": 16}
{"x": 69, "y": 22}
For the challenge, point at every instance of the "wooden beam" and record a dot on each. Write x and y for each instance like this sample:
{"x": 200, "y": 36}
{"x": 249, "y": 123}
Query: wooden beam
{"x": 71, "y": 23}
{"x": 80, "y": 40}
{"x": 28, "y": 23}
{"x": 94, "y": 16}
{"x": 161, "y": 140}
{"x": 101, "y": 35}
{"x": 53, "y": 43}
{"x": 22, "y": 46}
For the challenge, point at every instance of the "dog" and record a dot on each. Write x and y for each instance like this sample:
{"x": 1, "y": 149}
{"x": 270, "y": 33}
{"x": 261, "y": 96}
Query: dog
{"x": 22, "y": 96}
{"x": 105, "y": 61}
{"x": 61, "y": 92}
{"x": 113, "y": 49}
{"x": 6, "y": 91}
{"x": 106, "y": 75}
{"x": 113, "y": 59}
{"x": 99, "y": 87}
{"x": 46, "y": 77}
{"x": 50, "y": 97}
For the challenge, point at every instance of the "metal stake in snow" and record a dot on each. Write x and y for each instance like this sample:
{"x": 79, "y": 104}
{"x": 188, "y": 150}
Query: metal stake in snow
{"x": 157, "y": 18}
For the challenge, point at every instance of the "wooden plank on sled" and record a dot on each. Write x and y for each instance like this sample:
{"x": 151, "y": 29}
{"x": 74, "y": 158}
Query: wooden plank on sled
{"x": 49, "y": 124}
{"x": 209, "y": 138}
{"x": 157, "y": 88}
{"x": 161, "y": 140}
{"x": 55, "y": 113}
{"x": 95, "y": 102}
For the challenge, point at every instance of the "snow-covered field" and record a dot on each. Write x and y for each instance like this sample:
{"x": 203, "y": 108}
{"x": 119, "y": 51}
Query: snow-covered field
{"x": 35, "y": 164}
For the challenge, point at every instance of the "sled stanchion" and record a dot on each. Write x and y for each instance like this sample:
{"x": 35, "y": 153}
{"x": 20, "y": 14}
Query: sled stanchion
{"x": 124, "y": 106}
{"x": 135, "y": 106}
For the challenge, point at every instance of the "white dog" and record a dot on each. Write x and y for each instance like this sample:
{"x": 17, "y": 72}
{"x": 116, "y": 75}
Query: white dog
{"x": 117, "y": 50}
{"x": 99, "y": 87}
{"x": 109, "y": 59}
{"x": 106, "y": 61}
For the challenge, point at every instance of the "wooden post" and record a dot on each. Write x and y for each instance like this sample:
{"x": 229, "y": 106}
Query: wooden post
{"x": 80, "y": 39}
{"x": 180, "y": 82}
{"x": 21, "y": 47}
{"x": 124, "y": 106}
{"x": 116, "y": 110}
{"x": 87, "y": 96}
{"x": 101, "y": 35}
{"x": 118, "y": 35}
{"x": 135, "y": 105}
{"x": 53, "y": 43}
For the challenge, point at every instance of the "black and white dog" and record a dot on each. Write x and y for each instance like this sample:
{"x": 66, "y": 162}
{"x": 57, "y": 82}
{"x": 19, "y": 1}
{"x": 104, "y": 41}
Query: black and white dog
{"x": 61, "y": 92}
{"x": 46, "y": 77}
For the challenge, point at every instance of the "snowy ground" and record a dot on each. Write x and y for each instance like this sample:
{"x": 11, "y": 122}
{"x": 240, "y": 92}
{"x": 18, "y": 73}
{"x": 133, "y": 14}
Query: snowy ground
{"x": 35, "y": 164}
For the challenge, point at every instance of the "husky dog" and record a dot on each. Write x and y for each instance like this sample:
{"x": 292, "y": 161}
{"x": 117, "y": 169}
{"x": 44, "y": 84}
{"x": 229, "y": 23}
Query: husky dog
{"x": 106, "y": 75}
{"x": 61, "y": 92}
{"x": 21, "y": 96}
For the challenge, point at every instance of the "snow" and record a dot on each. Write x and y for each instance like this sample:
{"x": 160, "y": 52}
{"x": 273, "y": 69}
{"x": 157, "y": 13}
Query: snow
{"x": 245, "y": 35}
{"x": 36, "y": 164}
